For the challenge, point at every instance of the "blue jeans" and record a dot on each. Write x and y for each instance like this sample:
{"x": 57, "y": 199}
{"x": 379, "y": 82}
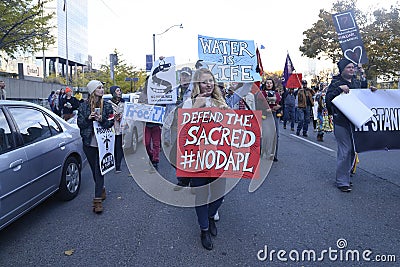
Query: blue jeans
{"x": 320, "y": 125}
{"x": 289, "y": 116}
{"x": 304, "y": 119}
{"x": 215, "y": 190}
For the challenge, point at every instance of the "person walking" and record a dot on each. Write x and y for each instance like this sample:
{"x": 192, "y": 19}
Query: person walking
{"x": 61, "y": 96}
{"x": 152, "y": 134}
{"x": 205, "y": 94}
{"x": 273, "y": 98}
{"x": 50, "y": 99}
{"x": 305, "y": 104}
{"x": 55, "y": 103}
{"x": 323, "y": 123}
{"x": 3, "y": 92}
{"x": 117, "y": 103}
{"x": 289, "y": 109}
{"x": 343, "y": 128}
{"x": 261, "y": 104}
{"x": 183, "y": 92}
{"x": 95, "y": 109}
{"x": 68, "y": 104}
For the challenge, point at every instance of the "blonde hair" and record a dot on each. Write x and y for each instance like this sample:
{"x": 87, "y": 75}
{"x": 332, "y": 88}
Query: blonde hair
{"x": 216, "y": 95}
{"x": 95, "y": 102}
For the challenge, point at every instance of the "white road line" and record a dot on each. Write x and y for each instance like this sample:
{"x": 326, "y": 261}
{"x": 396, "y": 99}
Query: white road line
{"x": 315, "y": 144}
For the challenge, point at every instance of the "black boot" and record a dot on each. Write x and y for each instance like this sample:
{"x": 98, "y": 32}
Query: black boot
{"x": 206, "y": 239}
{"x": 212, "y": 226}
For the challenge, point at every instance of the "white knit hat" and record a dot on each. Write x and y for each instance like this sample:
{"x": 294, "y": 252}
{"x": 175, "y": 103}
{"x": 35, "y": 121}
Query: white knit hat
{"x": 92, "y": 85}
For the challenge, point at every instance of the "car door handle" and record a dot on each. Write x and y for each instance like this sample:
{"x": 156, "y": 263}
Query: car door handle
{"x": 16, "y": 164}
{"x": 61, "y": 145}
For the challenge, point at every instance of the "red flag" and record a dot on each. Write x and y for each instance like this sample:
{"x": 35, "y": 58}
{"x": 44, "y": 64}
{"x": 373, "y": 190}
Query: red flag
{"x": 259, "y": 63}
{"x": 294, "y": 80}
{"x": 259, "y": 68}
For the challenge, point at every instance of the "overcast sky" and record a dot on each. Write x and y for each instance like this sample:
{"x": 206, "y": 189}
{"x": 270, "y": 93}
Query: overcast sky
{"x": 278, "y": 25}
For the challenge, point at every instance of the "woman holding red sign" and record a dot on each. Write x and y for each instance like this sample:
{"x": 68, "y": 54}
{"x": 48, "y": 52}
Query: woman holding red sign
{"x": 209, "y": 191}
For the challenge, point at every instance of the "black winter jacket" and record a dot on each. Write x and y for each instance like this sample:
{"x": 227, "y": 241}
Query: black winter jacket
{"x": 86, "y": 125}
{"x": 334, "y": 90}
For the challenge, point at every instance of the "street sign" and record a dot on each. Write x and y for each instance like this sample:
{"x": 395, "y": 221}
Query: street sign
{"x": 149, "y": 62}
{"x": 131, "y": 79}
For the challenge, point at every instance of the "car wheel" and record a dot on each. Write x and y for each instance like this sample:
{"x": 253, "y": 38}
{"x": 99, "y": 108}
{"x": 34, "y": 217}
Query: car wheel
{"x": 70, "y": 179}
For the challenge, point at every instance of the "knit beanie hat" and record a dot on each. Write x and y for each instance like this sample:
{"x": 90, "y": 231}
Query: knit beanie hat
{"x": 343, "y": 63}
{"x": 113, "y": 89}
{"x": 92, "y": 85}
{"x": 68, "y": 90}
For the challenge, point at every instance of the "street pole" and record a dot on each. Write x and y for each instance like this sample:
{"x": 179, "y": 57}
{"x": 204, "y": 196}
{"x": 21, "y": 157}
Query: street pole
{"x": 66, "y": 40}
{"x": 44, "y": 59}
{"x": 154, "y": 47}
{"x": 154, "y": 38}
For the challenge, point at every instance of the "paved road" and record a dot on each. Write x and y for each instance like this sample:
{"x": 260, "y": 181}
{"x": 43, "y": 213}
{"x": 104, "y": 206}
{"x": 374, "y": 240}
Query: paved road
{"x": 297, "y": 210}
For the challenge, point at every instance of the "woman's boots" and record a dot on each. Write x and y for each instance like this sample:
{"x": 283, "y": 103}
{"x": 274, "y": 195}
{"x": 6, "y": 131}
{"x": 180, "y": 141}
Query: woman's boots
{"x": 97, "y": 205}
{"x": 103, "y": 194}
{"x": 97, "y": 202}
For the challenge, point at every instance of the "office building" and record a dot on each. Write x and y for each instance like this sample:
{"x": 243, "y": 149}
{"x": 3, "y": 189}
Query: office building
{"x": 71, "y": 37}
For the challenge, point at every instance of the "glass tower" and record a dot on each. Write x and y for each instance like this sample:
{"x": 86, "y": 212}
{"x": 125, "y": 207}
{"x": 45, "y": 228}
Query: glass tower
{"x": 71, "y": 36}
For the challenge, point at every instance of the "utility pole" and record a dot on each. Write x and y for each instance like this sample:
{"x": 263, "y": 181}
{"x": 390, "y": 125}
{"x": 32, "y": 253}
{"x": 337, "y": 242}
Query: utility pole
{"x": 113, "y": 62}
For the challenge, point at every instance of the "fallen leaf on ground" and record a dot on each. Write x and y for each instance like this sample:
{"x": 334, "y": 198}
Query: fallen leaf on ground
{"x": 69, "y": 252}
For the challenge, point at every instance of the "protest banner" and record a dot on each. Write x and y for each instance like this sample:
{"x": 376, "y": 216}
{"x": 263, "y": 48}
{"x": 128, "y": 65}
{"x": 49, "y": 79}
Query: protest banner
{"x": 349, "y": 37}
{"x": 105, "y": 141}
{"x": 382, "y": 130}
{"x": 161, "y": 82}
{"x": 143, "y": 112}
{"x": 218, "y": 143}
{"x": 229, "y": 59}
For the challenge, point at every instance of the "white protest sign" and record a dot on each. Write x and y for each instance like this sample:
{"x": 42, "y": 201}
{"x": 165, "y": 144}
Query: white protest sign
{"x": 229, "y": 59}
{"x": 351, "y": 106}
{"x": 161, "y": 82}
{"x": 144, "y": 112}
{"x": 105, "y": 141}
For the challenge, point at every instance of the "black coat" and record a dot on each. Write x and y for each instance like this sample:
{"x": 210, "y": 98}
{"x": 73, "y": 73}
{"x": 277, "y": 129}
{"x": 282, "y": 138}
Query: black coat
{"x": 86, "y": 125}
{"x": 334, "y": 90}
